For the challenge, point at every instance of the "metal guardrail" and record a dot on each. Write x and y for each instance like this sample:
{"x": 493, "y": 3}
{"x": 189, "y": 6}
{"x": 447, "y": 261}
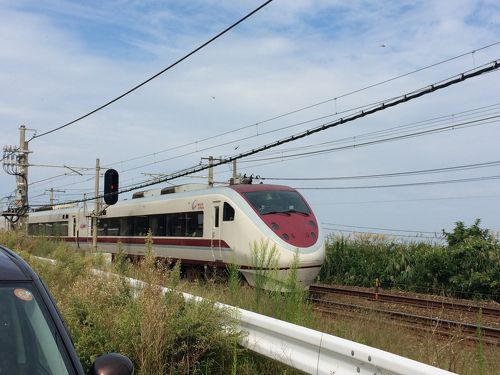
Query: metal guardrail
{"x": 305, "y": 349}
{"x": 319, "y": 353}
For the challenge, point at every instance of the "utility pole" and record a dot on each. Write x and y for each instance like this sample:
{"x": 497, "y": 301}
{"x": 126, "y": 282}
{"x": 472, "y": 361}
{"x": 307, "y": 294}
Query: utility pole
{"x": 22, "y": 180}
{"x": 211, "y": 160}
{"x": 95, "y": 214}
{"x": 52, "y": 190}
{"x": 235, "y": 174}
{"x": 210, "y": 171}
{"x": 15, "y": 162}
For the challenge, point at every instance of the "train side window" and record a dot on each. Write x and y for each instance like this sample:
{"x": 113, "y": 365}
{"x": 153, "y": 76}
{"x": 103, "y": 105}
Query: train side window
{"x": 113, "y": 227}
{"x": 194, "y": 224}
{"x": 216, "y": 218}
{"x": 199, "y": 228}
{"x": 158, "y": 223}
{"x": 141, "y": 226}
{"x": 63, "y": 229}
{"x": 102, "y": 227}
{"x": 227, "y": 212}
{"x": 125, "y": 226}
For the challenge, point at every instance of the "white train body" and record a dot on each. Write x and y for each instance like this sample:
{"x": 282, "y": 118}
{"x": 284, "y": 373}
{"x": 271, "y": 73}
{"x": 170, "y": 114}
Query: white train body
{"x": 211, "y": 226}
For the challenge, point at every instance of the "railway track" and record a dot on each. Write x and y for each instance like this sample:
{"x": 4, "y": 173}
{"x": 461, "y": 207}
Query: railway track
{"x": 407, "y": 300}
{"x": 490, "y": 335}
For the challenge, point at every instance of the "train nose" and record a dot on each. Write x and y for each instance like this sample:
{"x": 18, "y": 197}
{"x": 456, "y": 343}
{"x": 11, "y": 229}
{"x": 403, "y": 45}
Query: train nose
{"x": 296, "y": 229}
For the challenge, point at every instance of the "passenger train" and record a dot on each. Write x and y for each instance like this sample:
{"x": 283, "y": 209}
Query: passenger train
{"x": 201, "y": 226}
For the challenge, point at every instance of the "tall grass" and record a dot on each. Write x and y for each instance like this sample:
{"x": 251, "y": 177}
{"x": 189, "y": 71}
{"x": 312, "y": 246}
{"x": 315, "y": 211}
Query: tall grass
{"x": 162, "y": 334}
{"x": 470, "y": 269}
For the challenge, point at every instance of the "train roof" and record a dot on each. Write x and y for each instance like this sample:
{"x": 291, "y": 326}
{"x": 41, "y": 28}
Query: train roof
{"x": 244, "y": 188}
{"x": 206, "y": 189}
{"x": 171, "y": 193}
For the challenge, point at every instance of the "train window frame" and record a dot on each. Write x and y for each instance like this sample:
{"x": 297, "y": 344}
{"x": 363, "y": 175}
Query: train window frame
{"x": 50, "y": 228}
{"x": 272, "y": 201}
{"x": 174, "y": 224}
{"x": 228, "y": 212}
{"x": 216, "y": 216}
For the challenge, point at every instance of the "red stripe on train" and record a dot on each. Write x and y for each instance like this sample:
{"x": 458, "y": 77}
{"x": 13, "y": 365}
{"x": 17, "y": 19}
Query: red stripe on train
{"x": 201, "y": 242}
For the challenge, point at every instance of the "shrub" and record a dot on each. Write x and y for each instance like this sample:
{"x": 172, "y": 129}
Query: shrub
{"x": 469, "y": 266}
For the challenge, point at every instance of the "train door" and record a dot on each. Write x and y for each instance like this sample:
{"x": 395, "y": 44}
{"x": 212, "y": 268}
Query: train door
{"x": 216, "y": 231}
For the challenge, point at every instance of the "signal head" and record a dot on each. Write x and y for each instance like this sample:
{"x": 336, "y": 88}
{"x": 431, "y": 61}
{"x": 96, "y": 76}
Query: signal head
{"x": 111, "y": 186}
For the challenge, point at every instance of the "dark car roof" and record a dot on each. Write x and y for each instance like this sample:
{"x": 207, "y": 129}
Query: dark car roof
{"x": 12, "y": 267}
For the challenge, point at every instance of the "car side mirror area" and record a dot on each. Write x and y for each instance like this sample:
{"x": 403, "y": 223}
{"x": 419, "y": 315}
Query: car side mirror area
{"x": 112, "y": 364}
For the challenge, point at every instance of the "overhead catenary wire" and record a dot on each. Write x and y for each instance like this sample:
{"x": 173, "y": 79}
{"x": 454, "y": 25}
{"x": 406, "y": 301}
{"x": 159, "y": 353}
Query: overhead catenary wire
{"x": 450, "y": 118}
{"x": 354, "y": 143}
{"x": 382, "y": 175}
{"x": 155, "y": 75}
{"x": 493, "y": 66}
{"x": 384, "y": 201}
{"x": 491, "y": 119}
{"x": 453, "y": 119}
{"x": 298, "y": 110}
{"x": 349, "y": 93}
{"x": 383, "y": 234}
{"x": 358, "y": 144}
{"x": 377, "y": 228}
{"x": 393, "y": 174}
{"x": 426, "y": 183}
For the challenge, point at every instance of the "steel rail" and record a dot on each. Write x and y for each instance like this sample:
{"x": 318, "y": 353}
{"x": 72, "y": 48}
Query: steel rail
{"x": 408, "y": 300}
{"x": 490, "y": 335}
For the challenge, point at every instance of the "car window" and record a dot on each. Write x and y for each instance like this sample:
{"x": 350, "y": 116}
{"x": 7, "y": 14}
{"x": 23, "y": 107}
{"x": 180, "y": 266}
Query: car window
{"x": 29, "y": 343}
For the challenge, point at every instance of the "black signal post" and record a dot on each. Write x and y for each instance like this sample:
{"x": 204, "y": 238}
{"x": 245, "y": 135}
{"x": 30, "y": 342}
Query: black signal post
{"x": 111, "y": 184}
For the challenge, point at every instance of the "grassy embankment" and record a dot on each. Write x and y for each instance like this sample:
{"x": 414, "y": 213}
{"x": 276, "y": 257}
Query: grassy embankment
{"x": 161, "y": 334}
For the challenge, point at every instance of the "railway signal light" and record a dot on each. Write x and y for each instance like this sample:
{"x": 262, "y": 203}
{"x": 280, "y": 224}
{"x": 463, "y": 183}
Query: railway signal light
{"x": 111, "y": 186}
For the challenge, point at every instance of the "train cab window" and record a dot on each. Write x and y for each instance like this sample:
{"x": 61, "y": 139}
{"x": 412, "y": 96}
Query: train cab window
{"x": 227, "y": 212}
{"x": 268, "y": 202}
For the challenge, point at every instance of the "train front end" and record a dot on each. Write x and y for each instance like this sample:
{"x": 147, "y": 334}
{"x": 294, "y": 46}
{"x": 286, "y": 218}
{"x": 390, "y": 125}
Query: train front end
{"x": 286, "y": 224}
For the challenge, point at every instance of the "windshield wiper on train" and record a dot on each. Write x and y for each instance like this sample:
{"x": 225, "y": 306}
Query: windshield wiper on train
{"x": 276, "y": 212}
{"x": 298, "y": 212}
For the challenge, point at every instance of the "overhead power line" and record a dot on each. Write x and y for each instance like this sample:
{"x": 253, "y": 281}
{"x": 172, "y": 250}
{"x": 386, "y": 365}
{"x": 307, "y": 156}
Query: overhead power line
{"x": 157, "y": 74}
{"x": 453, "y": 118}
{"x": 383, "y": 106}
{"x": 384, "y": 234}
{"x": 491, "y": 119}
{"x": 376, "y": 228}
{"x": 276, "y": 117}
{"x": 478, "y": 113}
{"x": 394, "y": 174}
{"x": 472, "y": 179}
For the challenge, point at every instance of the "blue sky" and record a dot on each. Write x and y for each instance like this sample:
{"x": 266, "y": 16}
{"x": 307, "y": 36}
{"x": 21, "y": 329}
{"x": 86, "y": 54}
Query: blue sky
{"x": 61, "y": 59}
